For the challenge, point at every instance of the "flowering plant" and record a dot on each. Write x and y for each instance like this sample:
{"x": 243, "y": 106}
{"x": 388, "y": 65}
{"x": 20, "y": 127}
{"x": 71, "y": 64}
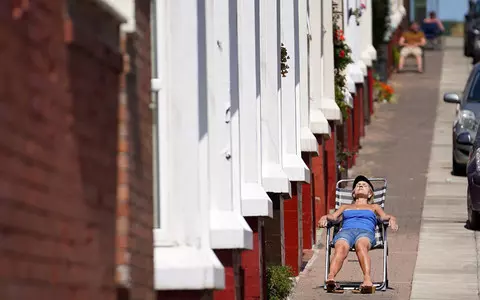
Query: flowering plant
{"x": 341, "y": 58}
{"x": 363, "y": 5}
{"x": 384, "y": 91}
{"x": 342, "y": 52}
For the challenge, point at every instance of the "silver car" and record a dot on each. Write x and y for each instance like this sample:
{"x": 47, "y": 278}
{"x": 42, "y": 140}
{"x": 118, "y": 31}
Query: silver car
{"x": 467, "y": 120}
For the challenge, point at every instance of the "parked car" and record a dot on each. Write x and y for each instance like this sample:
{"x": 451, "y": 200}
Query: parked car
{"x": 471, "y": 37}
{"x": 473, "y": 190}
{"x": 466, "y": 122}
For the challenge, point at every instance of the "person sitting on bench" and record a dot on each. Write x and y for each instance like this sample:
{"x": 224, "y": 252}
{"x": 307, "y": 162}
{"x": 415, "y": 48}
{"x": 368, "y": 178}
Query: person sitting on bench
{"x": 358, "y": 229}
{"x": 412, "y": 40}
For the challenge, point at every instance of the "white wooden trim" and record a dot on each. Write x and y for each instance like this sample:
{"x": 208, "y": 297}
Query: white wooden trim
{"x": 274, "y": 178}
{"x": 189, "y": 263}
{"x": 228, "y": 228}
{"x": 255, "y": 201}
{"x": 293, "y": 164}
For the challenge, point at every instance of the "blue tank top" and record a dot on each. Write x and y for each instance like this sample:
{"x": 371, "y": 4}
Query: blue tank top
{"x": 359, "y": 219}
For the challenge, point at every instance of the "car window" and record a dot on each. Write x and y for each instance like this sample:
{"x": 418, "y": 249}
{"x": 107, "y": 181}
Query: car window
{"x": 474, "y": 90}
{"x": 477, "y": 7}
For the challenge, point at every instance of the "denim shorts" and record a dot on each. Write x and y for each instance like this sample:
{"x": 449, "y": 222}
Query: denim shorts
{"x": 351, "y": 236}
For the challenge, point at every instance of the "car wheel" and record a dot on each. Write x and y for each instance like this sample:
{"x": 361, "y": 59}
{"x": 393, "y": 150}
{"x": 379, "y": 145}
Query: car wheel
{"x": 473, "y": 219}
{"x": 457, "y": 169}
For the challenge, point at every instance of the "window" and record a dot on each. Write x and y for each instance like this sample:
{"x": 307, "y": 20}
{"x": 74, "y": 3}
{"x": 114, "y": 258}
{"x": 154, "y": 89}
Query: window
{"x": 474, "y": 92}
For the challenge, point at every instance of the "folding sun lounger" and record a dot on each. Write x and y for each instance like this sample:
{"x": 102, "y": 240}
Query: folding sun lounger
{"x": 344, "y": 196}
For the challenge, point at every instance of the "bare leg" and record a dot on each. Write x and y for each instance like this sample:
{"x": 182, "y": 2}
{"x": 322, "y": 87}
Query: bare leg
{"x": 362, "y": 247}
{"x": 341, "y": 252}
{"x": 401, "y": 62}
{"x": 419, "y": 63}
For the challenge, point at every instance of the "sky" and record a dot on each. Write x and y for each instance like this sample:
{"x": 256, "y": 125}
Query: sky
{"x": 451, "y": 10}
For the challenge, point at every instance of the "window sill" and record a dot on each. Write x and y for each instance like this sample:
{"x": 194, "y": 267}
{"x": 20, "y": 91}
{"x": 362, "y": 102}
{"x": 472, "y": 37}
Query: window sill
{"x": 187, "y": 268}
{"x": 255, "y": 201}
{"x": 318, "y": 122}
{"x": 229, "y": 230}
{"x": 330, "y": 109}
{"x": 308, "y": 141}
{"x": 354, "y": 71}
{"x": 295, "y": 168}
{"x": 363, "y": 68}
{"x": 348, "y": 99}
{"x": 367, "y": 58}
{"x": 275, "y": 180}
{"x": 351, "y": 85}
{"x": 372, "y": 51}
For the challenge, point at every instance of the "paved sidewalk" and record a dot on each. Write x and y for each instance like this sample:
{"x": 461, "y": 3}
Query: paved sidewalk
{"x": 396, "y": 146}
{"x": 447, "y": 263}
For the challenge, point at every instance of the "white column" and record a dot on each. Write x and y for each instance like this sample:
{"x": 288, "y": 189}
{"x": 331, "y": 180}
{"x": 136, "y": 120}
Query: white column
{"x": 357, "y": 42}
{"x": 321, "y": 66}
{"x": 229, "y": 228}
{"x": 369, "y": 16}
{"x": 354, "y": 70}
{"x": 308, "y": 140}
{"x": 274, "y": 178}
{"x": 293, "y": 164}
{"x": 255, "y": 201}
{"x": 366, "y": 35}
{"x": 318, "y": 121}
{"x": 189, "y": 262}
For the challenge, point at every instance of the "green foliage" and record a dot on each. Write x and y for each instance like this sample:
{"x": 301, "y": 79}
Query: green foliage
{"x": 279, "y": 282}
{"x": 339, "y": 99}
{"x": 342, "y": 155}
{"x": 341, "y": 58}
{"x": 396, "y": 55}
{"x": 283, "y": 60}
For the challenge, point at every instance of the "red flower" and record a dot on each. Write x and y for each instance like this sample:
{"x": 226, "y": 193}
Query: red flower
{"x": 363, "y": 6}
{"x": 341, "y": 54}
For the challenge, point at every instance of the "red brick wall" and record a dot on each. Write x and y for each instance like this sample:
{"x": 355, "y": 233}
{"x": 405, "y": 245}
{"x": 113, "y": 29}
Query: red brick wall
{"x": 308, "y": 219}
{"x": 135, "y": 204}
{"x": 253, "y": 264}
{"x": 350, "y": 138}
{"x": 319, "y": 181}
{"x": 361, "y": 114}
{"x": 58, "y": 124}
{"x": 292, "y": 228}
{"x": 274, "y": 233}
{"x": 370, "y": 90}
{"x": 231, "y": 261}
{"x": 331, "y": 166}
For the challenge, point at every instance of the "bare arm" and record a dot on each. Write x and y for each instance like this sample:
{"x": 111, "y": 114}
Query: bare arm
{"x": 332, "y": 217}
{"x": 386, "y": 217}
{"x": 401, "y": 41}
{"x": 439, "y": 23}
{"x": 423, "y": 42}
{"x": 336, "y": 214}
{"x": 381, "y": 213}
